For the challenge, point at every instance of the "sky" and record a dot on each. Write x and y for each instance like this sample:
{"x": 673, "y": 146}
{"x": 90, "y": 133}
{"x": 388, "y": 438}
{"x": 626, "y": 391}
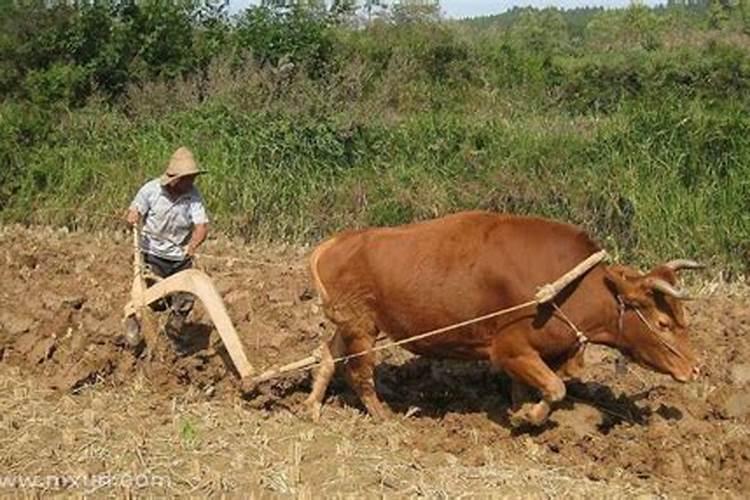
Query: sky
{"x": 469, "y": 8}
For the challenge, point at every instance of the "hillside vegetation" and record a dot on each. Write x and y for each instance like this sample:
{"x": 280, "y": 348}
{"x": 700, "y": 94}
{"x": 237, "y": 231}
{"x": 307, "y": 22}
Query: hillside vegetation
{"x": 634, "y": 123}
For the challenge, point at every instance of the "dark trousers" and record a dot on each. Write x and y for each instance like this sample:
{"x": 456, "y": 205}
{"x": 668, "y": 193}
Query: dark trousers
{"x": 181, "y": 302}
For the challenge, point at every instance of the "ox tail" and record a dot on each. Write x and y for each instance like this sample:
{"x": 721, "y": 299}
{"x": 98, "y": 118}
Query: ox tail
{"x": 314, "y": 268}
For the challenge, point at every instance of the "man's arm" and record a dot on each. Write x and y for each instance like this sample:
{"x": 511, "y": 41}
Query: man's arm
{"x": 200, "y": 225}
{"x": 200, "y": 231}
{"x": 138, "y": 207}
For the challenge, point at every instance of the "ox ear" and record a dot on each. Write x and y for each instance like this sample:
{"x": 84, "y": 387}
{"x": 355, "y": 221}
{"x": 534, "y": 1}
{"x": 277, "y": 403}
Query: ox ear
{"x": 627, "y": 284}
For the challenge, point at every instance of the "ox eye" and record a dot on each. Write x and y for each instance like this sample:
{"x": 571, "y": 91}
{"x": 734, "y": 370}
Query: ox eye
{"x": 664, "y": 323}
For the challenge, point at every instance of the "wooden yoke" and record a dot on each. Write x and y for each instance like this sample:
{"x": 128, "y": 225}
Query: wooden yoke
{"x": 550, "y": 290}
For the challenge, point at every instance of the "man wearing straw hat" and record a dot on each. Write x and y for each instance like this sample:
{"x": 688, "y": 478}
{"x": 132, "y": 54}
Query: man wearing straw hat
{"x": 174, "y": 224}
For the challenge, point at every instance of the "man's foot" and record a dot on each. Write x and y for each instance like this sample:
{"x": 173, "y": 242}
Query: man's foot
{"x": 133, "y": 333}
{"x": 173, "y": 329}
{"x": 175, "y": 322}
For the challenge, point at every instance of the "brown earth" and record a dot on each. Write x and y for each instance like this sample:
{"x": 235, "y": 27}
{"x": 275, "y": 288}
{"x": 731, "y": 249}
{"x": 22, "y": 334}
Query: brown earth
{"x": 76, "y": 404}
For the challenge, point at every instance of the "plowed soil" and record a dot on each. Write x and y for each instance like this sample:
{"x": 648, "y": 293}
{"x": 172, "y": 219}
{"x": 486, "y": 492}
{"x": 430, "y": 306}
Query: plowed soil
{"x": 77, "y": 404}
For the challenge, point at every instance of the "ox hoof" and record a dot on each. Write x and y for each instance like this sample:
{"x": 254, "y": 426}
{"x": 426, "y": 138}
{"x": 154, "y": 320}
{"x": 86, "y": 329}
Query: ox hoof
{"x": 315, "y": 408}
{"x": 533, "y": 415}
{"x": 379, "y": 413}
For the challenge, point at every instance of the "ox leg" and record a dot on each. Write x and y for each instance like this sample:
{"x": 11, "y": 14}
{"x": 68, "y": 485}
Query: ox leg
{"x": 520, "y": 394}
{"x": 359, "y": 371}
{"x": 573, "y": 366}
{"x": 334, "y": 348}
{"x": 529, "y": 369}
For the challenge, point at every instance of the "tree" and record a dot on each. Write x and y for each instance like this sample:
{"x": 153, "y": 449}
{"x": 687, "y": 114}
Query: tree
{"x": 717, "y": 14}
{"x": 745, "y": 14}
{"x": 544, "y": 32}
{"x": 343, "y": 11}
{"x": 374, "y": 7}
{"x": 415, "y": 11}
{"x": 298, "y": 34}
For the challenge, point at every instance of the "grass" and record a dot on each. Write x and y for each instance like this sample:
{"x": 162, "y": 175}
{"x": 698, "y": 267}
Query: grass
{"x": 649, "y": 184}
{"x": 125, "y": 435}
{"x": 656, "y": 173}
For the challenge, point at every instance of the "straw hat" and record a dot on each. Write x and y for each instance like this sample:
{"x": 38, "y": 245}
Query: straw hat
{"x": 181, "y": 164}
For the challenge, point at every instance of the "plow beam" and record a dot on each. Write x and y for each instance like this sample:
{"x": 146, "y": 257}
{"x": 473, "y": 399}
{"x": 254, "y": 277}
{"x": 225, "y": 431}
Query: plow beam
{"x": 200, "y": 285}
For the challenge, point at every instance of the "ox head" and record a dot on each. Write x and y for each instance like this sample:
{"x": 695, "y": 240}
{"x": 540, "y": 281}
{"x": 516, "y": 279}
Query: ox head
{"x": 651, "y": 324}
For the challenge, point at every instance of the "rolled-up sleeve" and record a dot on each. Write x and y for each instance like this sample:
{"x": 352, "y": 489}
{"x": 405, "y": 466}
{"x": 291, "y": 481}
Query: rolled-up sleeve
{"x": 141, "y": 200}
{"x": 198, "y": 213}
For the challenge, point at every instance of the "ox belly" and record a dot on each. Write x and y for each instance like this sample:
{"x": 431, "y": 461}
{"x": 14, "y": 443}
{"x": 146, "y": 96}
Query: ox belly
{"x": 471, "y": 342}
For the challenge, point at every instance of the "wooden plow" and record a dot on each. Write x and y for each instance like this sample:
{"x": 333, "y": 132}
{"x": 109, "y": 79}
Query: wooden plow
{"x": 196, "y": 283}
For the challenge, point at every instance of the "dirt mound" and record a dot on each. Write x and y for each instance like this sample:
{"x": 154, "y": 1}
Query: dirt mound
{"x": 60, "y": 327}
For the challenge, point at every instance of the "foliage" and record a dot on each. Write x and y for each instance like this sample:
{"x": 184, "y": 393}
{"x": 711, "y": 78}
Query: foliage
{"x": 631, "y": 122}
{"x": 295, "y": 35}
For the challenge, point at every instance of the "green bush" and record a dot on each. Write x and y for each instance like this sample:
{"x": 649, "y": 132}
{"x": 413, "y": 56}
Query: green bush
{"x": 60, "y": 83}
{"x": 296, "y": 35}
{"x": 632, "y": 123}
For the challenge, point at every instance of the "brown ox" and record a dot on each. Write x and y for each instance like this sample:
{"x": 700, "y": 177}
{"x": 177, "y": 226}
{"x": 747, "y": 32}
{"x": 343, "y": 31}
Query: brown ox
{"x": 411, "y": 279}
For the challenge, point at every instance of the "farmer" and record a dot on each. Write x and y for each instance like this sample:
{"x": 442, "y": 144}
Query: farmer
{"x": 174, "y": 224}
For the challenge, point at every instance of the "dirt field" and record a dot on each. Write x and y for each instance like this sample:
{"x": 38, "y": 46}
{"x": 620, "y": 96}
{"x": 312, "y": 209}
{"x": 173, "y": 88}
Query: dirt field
{"x": 79, "y": 412}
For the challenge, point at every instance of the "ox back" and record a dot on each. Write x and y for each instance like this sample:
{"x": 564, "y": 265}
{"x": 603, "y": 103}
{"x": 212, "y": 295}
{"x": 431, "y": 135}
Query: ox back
{"x": 427, "y": 275}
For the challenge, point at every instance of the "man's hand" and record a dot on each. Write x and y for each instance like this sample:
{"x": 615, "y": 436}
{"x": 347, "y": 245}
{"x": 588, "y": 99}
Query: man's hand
{"x": 190, "y": 250}
{"x": 133, "y": 217}
{"x": 200, "y": 231}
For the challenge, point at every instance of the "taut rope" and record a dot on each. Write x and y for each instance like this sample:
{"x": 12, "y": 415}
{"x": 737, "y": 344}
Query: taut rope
{"x": 544, "y": 294}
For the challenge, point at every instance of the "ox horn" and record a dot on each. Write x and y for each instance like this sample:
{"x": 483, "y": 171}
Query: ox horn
{"x": 667, "y": 289}
{"x": 677, "y": 264}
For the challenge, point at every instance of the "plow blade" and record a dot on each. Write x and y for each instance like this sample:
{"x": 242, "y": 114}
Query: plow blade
{"x": 200, "y": 285}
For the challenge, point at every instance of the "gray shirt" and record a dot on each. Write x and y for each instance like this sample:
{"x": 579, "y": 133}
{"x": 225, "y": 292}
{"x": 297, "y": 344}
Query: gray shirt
{"x": 168, "y": 223}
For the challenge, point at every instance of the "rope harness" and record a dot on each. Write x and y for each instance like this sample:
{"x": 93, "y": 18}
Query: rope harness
{"x": 582, "y": 338}
{"x": 654, "y": 331}
{"x": 544, "y": 294}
